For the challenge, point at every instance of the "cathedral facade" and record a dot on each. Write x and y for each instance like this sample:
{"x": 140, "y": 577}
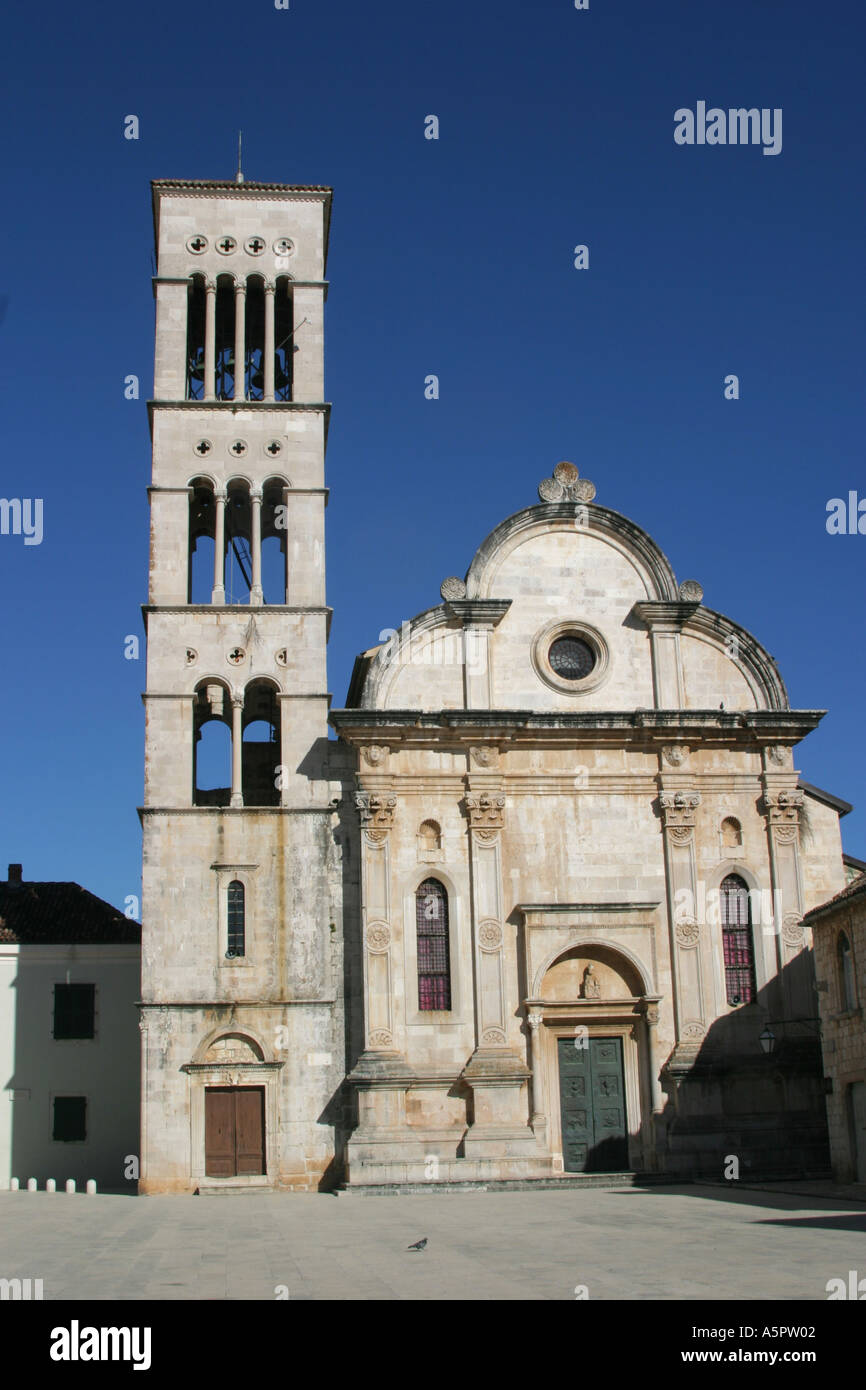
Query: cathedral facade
{"x": 536, "y": 910}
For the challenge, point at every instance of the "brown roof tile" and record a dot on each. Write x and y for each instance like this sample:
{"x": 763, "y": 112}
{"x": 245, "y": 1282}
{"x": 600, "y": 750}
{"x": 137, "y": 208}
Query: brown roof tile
{"x": 59, "y": 914}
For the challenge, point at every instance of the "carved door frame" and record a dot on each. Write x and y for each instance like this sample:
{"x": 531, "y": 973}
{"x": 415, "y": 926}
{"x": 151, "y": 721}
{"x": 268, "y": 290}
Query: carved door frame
{"x": 561, "y": 1021}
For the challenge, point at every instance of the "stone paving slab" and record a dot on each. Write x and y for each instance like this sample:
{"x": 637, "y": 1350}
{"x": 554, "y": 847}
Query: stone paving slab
{"x": 688, "y": 1242}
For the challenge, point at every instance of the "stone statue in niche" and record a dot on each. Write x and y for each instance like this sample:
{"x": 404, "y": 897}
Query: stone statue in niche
{"x": 591, "y": 988}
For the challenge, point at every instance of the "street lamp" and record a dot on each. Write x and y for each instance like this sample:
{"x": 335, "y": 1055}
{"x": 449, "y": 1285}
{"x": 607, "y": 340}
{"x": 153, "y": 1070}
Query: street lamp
{"x": 768, "y": 1040}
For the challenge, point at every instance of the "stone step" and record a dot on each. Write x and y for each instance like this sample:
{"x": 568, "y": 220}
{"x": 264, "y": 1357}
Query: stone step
{"x": 567, "y": 1181}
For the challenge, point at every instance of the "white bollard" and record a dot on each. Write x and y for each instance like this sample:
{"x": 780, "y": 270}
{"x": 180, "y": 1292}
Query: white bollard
{"x": 51, "y": 1185}
{"x": 91, "y": 1187}
{"x": 70, "y": 1184}
{"x": 13, "y": 1184}
{"x": 31, "y": 1184}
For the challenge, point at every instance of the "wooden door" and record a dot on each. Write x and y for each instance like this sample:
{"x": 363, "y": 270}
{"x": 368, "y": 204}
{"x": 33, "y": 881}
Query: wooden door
{"x": 234, "y": 1130}
{"x": 592, "y": 1105}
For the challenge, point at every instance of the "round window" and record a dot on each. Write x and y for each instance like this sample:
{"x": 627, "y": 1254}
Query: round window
{"x": 571, "y": 658}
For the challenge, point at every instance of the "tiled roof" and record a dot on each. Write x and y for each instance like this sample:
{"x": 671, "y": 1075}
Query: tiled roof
{"x": 58, "y": 914}
{"x": 855, "y": 889}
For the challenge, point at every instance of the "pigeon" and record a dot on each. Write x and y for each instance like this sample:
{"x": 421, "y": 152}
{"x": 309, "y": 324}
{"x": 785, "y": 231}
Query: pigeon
{"x": 419, "y": 1244}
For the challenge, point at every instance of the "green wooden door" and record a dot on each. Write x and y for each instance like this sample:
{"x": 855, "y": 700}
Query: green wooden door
{"x": 592, "y": 1102}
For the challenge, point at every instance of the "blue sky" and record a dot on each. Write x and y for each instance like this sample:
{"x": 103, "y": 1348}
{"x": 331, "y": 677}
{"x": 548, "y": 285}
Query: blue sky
{"x": 452, "y": 257}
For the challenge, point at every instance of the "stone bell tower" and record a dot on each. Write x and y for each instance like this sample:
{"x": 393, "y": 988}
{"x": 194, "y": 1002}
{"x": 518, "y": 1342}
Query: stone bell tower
{"x": 242, "y": 936}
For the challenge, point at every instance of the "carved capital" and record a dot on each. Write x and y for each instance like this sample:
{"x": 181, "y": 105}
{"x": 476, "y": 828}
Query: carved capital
{"x": 376, "y": 812}
{"x": 678, "y": 814}
{"x": 652, "y": 1015}
{"x": 535, "y": 1021}
{"x": 485, "y": 814}
{"x": 782, "y": 810}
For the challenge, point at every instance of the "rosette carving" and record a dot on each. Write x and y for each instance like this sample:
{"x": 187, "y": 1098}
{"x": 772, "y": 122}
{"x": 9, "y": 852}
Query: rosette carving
{"x": 378, "y": 937}
{"x": 490, "y": 936}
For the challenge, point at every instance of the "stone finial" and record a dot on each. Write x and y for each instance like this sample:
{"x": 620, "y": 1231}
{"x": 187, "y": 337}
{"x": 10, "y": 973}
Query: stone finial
{"x": 691, "y": 591}
{"x": 566, "y": 486}
{"x": 452, "y": 587}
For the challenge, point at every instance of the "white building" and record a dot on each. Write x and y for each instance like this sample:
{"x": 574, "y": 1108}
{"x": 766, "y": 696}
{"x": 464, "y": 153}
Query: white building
{"x": 69, "y": 1037}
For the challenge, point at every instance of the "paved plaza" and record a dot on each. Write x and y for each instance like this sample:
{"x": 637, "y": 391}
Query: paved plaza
{"x": 688, "y": 1242}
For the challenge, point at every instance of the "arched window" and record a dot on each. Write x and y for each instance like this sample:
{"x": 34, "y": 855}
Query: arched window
{"x": 732, "y": 833}
{"x": 736, "y": 912}
{"x": 195, "y": 328}
{"x": 236, "y": 917}
{"x": 261, "y": 759}
{"x": 212, "y": 746}
{"x": 274, "y": 576}
{"x": 238, "y": 541}
{"x": 284, "y": 341}
{"x": 434, "y": 956}
{"x": 224, "y": 338}
{"x": 254, "y": 376}
{"x": 847, "y": 991}
{"x": 201, "y": 541}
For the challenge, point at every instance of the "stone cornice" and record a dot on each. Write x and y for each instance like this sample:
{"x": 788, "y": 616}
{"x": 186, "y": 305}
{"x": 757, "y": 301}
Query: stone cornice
{"x": 665, "y": 615}
{"x": 238, "y": 609}
{"x": 185, "y": 279}
{"x": 749, "y": 727}
{"x": 478, "y": 612}
{"x": 234, "y": 810}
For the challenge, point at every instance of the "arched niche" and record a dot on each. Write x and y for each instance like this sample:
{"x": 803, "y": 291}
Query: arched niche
{"x": 591, "y": 971}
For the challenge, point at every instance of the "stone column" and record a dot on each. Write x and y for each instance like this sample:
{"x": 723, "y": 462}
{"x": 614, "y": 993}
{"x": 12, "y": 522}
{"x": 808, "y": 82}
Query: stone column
{"x": 376, "y": 812}
{"x": 782, "y": 806}
{"x": 269, "y": 342}
{"x": 210, "y": 342}
{"x": 219, "y": 550}
{"x": 651, "y": 1014}
{"x": 665, "y": 620}
{"x": 284, "y": 502}
{"x": 237, "y": 798}
{"x": 497, "y": 1075}
{"x": 240, "y": 338}
{"x": 256, "y": 595}
{"x": 678, "y": 819}
{"x": 536, "y": 1083}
